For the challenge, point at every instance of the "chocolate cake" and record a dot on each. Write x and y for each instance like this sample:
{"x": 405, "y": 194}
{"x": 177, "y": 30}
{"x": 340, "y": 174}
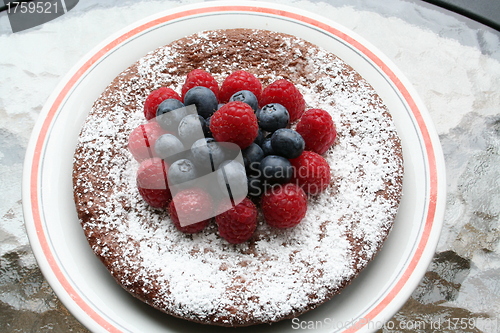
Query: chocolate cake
{"x": 278, "y": 274}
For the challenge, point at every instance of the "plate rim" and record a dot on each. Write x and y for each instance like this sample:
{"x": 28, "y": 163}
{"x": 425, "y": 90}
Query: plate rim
{"x": 435, "y": 162}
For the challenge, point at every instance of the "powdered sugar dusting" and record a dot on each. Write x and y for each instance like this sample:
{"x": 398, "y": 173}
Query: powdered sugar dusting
{"x": 279, "y": 273}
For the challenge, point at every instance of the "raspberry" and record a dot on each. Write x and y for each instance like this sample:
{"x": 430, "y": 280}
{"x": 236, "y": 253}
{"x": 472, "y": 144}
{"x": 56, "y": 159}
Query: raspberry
{"x": 141, "y": 141}
{"x": 238, "y": 224}
{"x": 238, "y": 81}
{"x": 318, "y": 130}
{"x": 284, "y": 206}
{"x": 311, "y": 172}
{"x": 155, "y": 98}
{"x": 285, "y": 93}
{"x": 189, "y": 210}
{"x": 152, "y": 182}
{"x": 199, "y": 77}
{"x": 235, "y": 122}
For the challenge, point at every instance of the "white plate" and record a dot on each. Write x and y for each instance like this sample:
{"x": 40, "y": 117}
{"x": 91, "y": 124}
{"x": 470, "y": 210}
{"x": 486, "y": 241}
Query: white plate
{"x": 85, "y": 286}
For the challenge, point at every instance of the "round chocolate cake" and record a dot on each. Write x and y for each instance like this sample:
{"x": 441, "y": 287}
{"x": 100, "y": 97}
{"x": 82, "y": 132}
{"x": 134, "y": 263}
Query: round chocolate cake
{"x": 278, "y": 273}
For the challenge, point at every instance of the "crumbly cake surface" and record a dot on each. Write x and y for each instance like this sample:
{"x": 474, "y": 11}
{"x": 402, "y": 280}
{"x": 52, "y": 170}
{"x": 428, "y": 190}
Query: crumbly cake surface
{"x": 278, "y": 274}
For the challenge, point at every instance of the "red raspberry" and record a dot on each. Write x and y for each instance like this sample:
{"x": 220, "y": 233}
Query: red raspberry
{"x": 155, "y": 98}
{"x": 285, "y": 93}
{"x": 141, "y": 141}
{"x": 152, "y": 182}
{"x": 190, "y": 210}
{"x": 284, "y": 206}
{"x": 237, "y": 81}
{"x": 238, "y": 224}
{"x": 235, "y": 122}
{"x": 311, "y": 172}
{"x": 199, "y": 77}
{"x": 318, "y": 130}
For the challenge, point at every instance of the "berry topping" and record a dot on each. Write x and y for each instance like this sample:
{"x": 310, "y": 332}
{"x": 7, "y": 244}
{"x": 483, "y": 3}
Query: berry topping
{"x": 189, "y": 210}
{"x": 152, "y": 182}
{"x": 287, "y": 143}
{"x": 207, "y": 154}
{"x": 141, "y": 142}
{"x": 318, "y": 130}
{"x": 199, "y": 77}
{"x": 191, "y": 129}
{"x": 260, "y": 137}
{"x": 169, "y": 114}
{"x": 273, "y": 117}
{"x": 181, "y": 171}
{"x": 227, "y": 151}
{"x": 311, "y": 172}
{"x": 266, "y": 147}
{"x": 246, "y": 96}
{"x": 275, "y": 170}
{"x": 237, "y": 81}
{"x": 235, "y": 122}
{"x": 285, "y": 93}
{"x": 204, "y": 99}
{"x": 252, "y": 155}
{"x": 168, "y": 147}
{"x": 284, "y": 206}
{"x": 232, "y": 179}
{"x": 155, "y": 98}
{"x": 238, "y": 224}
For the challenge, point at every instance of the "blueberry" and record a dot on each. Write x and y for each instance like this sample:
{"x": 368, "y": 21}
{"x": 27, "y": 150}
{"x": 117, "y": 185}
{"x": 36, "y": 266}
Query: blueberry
{"x": 275, "y": 170}
{"x": 169, "y": 114}
{"x": 168, "y": 147}
{"x": 266, "y": 147}
{"x": 252, "y": 155}
{"x": 246, "y": 96}
{"x": 207, "y": 154}
{"x": 232, "y": 178}
{"x": 204, "y": 99}
{"x": 260, "y": 137}
{"x": 273, "y": 117}
{"x": 287, "y": 143}
{"x": 181, "y": 171}
{"x": 191, "y": 129}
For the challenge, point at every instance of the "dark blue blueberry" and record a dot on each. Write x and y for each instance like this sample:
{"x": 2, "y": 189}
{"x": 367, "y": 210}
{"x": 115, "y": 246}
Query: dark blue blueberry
{"x": 275, "y": 170}
{"x": 169, "y": 114}
{"x": 273, "y": 117}
{"x": 246, "y": 96}
{"x": 260, "y": 137}
{"x": 232, "y": 178}
{"x": 181, "y": 171}
{"x": 191, "y": 129}
{"x": 168, "y": 147}
{"x": 207, "y": 154}
{"x": 252, "y": 155}
{"x": 204, "y": 99}
{"x": 266, "y": 147}
{"x": 287, "y": 143}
